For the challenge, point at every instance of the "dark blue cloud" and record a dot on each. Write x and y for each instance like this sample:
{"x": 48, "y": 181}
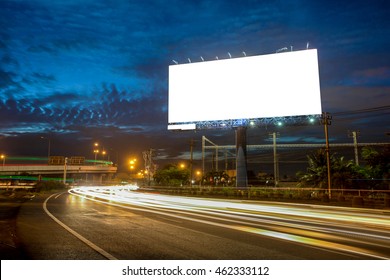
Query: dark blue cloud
{"x": 99, "y": 69}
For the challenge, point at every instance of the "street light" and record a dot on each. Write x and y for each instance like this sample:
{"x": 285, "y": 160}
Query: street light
{"x": 3, "y": 158}
{"x": 65, "y": 167}
{"x": 132, "y": 163}
{"x": 96, "y": 153}
{"x": 96, "y": 150}
{"x": 199, "y": 176}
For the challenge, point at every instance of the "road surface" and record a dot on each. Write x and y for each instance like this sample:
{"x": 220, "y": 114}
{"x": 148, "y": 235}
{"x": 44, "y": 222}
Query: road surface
{"x": 119, "y": 223}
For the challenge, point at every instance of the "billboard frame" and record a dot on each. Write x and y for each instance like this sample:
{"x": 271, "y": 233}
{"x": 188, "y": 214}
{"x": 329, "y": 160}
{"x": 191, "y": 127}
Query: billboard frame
{"x": 253, "y": 122}
{"x": 286, "y": 119}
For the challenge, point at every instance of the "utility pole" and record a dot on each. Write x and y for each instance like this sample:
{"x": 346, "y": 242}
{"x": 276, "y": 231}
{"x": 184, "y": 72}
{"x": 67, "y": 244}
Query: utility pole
{"x": 204, "y": 139}
{"x": 191, "y": 160}
{"x": 354, "y": 135}
{"x": 276, "y": 167}
{"x": 203, "y": 153}
{"x": 327, "y": 120}
{"x": 226, "y": 161}
{"x": 216, "y": 158}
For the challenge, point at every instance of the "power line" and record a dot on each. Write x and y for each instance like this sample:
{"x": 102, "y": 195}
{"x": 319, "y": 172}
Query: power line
{"x": 361, "y": 111}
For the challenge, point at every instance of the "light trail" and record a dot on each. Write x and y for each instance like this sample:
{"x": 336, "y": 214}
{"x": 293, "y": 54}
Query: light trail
{"x": 349, "y": 230}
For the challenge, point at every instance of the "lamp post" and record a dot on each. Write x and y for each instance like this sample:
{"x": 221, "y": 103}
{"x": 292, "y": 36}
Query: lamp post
{"x": 199, "y": 177}
{"x": 132, "y": 163}
{"x": 65, "y": 167}
{"x": 96, "y": 150}
{"x": 3, "y": 158}
{"x": 276, "y": 165}
{"x": 96, "y": 153}
{"x": 48, "y": 146}
{"x": 354, "y": 135}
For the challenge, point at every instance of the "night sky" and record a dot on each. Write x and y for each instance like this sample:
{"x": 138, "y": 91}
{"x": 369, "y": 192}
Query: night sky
{"x": 83, "y": 71}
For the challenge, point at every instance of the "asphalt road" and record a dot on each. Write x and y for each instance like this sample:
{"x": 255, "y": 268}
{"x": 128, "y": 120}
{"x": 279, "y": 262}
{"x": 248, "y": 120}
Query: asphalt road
{"x": 134, "y": 226}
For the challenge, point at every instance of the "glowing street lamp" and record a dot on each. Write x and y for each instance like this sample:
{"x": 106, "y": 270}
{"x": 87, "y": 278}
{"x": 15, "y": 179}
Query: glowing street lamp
{"x": 96, "y": 153}
{"x": 132, "y": 163}
{"x": 96, "y": 150}
{"x": 3, "y": 158}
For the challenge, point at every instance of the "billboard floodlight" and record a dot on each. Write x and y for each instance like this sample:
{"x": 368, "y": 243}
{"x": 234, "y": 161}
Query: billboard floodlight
{"x": 281, "y": 49}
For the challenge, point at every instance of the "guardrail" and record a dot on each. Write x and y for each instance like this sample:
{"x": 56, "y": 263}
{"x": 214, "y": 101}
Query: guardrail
{"x": 13, "y": 187}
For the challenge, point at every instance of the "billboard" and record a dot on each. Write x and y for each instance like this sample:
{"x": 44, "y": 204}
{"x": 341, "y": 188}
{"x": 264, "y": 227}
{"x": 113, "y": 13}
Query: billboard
{"x": 263, "y": 86}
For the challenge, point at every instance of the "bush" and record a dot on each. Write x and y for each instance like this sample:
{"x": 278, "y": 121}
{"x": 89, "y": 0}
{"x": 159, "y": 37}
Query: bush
{"x": 49, "y": 185}
{"x": 341, "y": 198}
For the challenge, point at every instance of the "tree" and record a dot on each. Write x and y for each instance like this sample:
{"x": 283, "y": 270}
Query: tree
{"x": 316, "y": 173}
{"x": 345, "y": 174}
{"x": 377, "y": 167}
{"x": 342, "y": 171}
{"x": 172, "y": 174}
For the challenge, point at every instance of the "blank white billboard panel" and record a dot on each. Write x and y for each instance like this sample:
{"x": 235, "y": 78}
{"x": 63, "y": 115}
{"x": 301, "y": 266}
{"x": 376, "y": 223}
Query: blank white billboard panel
{"x": 275, "y": 85}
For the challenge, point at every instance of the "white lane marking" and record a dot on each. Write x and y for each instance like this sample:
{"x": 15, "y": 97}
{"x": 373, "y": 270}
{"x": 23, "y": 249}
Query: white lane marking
{"x": 58, "y": 195}
{"x": 79, "y": 236}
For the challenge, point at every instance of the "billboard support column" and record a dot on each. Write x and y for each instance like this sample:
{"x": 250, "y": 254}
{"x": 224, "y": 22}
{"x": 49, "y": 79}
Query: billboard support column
{"x": 241, "y": 167}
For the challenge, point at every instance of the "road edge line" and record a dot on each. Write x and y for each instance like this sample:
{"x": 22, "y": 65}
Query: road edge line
{"x": 76, "y": 234}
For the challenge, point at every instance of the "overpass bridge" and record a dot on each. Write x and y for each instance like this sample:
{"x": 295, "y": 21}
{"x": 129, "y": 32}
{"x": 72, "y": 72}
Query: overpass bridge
{"x": 95, "y": 173}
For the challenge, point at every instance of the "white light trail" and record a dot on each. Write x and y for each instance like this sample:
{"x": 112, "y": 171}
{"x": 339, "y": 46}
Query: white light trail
{"x": 312, "y": 225}
{"x": 124, "y": 194}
